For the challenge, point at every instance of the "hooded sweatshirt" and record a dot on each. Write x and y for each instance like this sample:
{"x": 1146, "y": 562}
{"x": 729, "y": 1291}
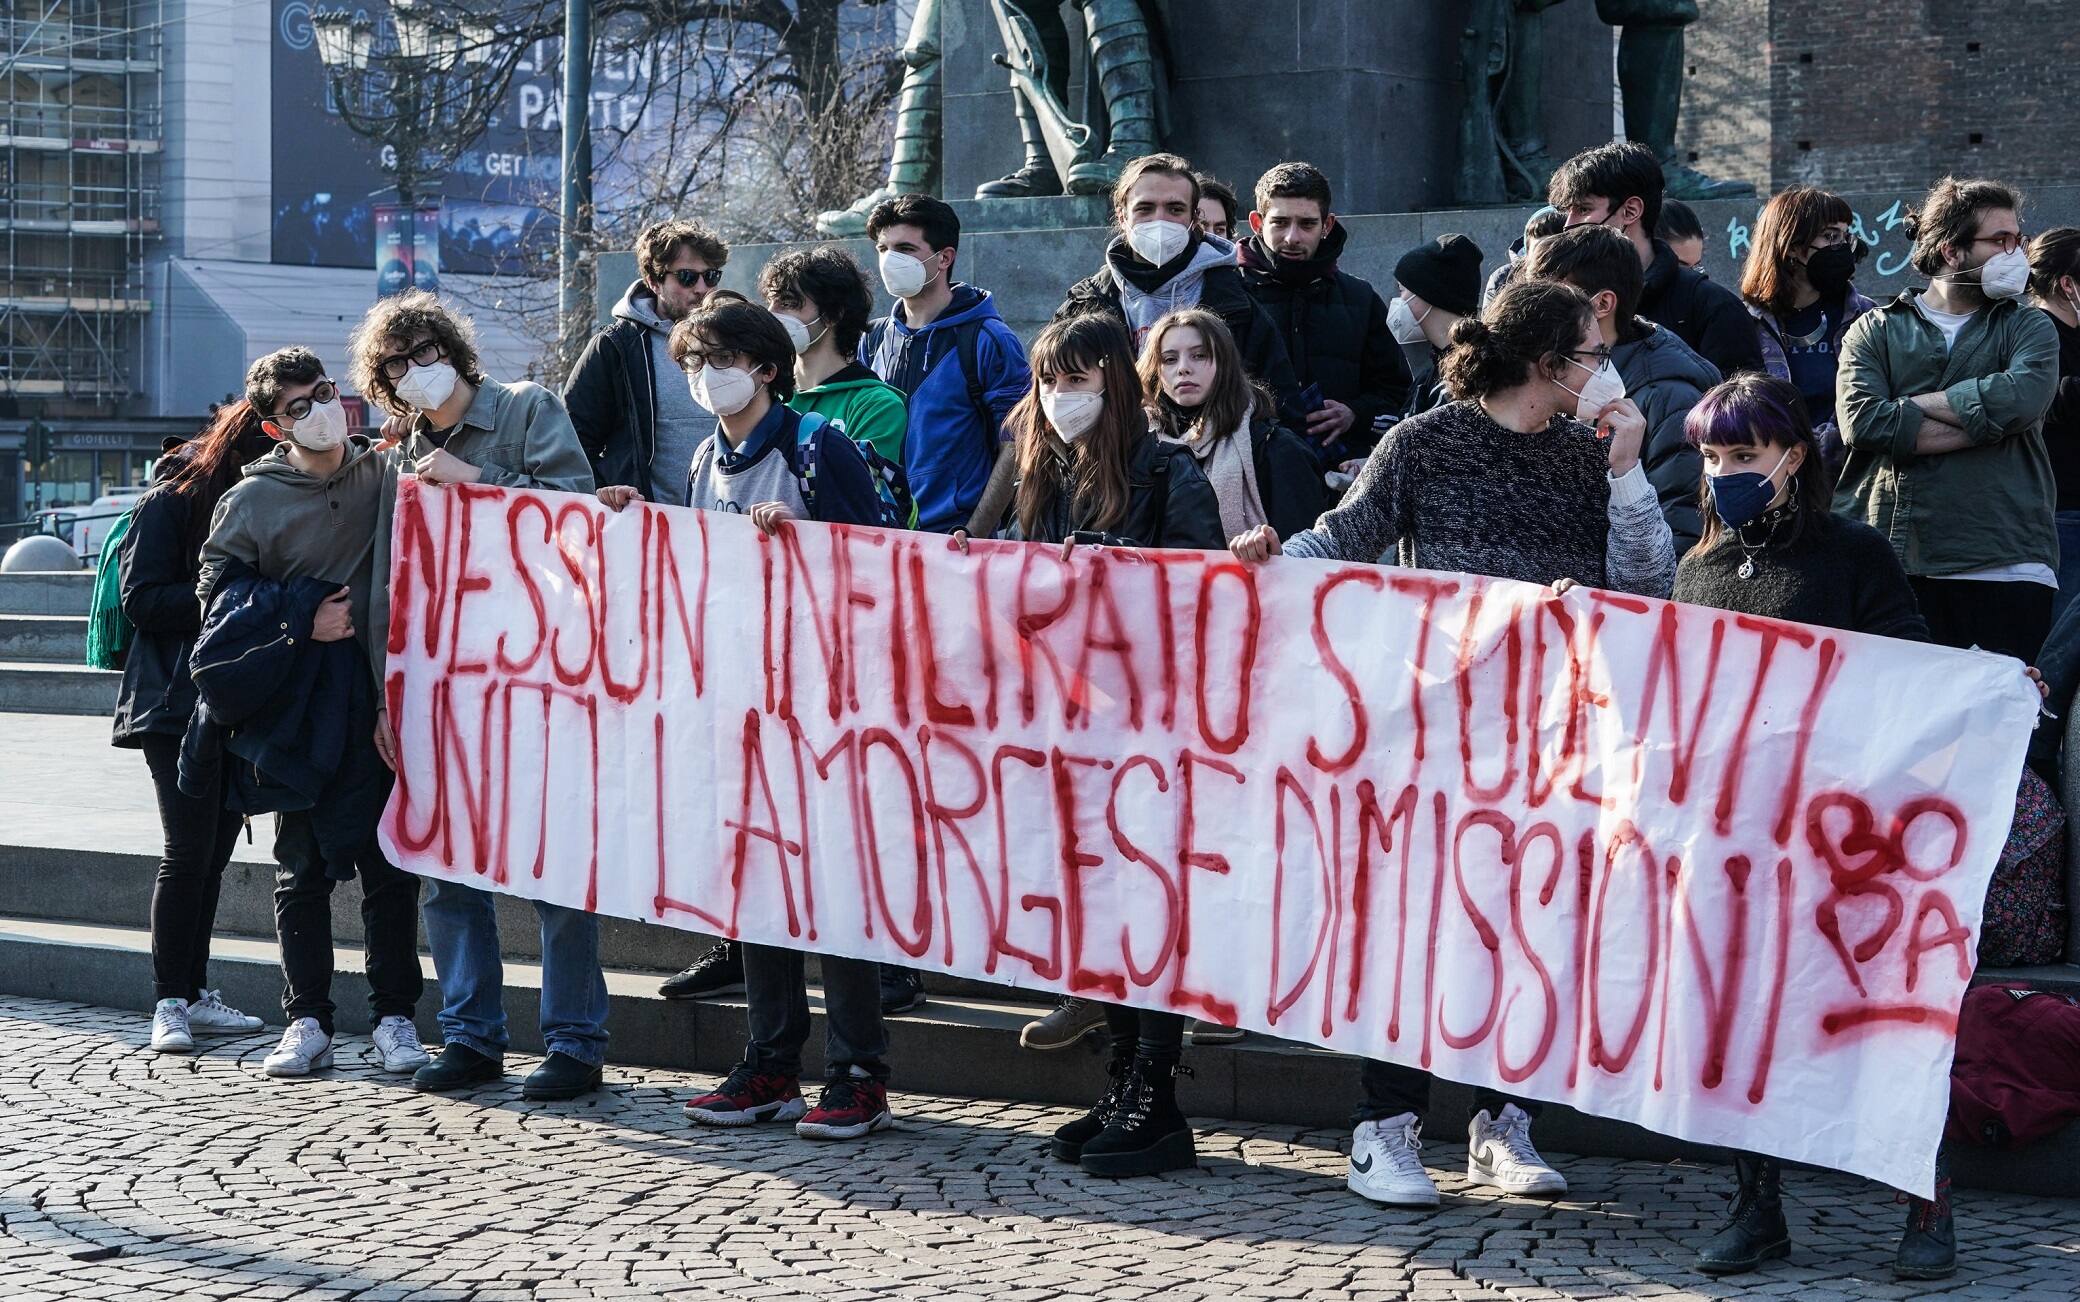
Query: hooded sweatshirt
{"x": 863, "y": 406}
{"x": 951, "y": 444}
{"x": 1148, "y": 294}
{"x": 682, "y": 424}
{"x": 289, "y": 524}
{"x": 1665, "y": 377}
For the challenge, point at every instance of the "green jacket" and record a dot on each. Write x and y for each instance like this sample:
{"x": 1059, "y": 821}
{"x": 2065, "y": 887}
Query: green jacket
{"x": 861, "y": 404}
{"x": 1950, "y": 513}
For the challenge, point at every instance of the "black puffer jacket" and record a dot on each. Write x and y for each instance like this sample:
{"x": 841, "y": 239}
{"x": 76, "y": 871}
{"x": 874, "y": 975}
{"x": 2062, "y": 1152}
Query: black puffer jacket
{"x": 1222, "y": 293}
{"x": 1169, "y": 504}
{"x": 158, "y": 593}
{"x": 609, "y": 397}
{"x": 1703, "y": 313}
{"x": 1334, "y": 328}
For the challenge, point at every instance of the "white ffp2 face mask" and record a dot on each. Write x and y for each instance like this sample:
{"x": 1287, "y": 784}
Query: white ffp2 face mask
{"x": 1158, "y": 241}
{"x": 427, "y": 387}
{"x": 323, "y": 427}
{"x": 798, "y": 333}
{"x": 1403, "y": 321}
{"x": 1603, "y": 388}
{"x": 904, "y": 276}
{"x": 723, "y": 393}
{"x": 2004, "y": 275}
{"x": 1072, "y": 414}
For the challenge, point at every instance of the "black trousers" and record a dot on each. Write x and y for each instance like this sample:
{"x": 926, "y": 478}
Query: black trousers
{"x": 1155, "y": 1035}
{"x": 1390, "y": 1089}
{"x": 2008, "y": 617}
{"x": 303, "y": 922}
{"x": 199, "y": 836}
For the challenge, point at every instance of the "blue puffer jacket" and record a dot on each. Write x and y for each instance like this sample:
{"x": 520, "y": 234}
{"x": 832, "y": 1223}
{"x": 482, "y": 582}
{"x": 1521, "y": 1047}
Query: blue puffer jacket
{"x": 294, "y": 718}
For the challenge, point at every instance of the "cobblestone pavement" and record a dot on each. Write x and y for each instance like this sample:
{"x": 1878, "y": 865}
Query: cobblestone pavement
{"x": 126, "y": 1174}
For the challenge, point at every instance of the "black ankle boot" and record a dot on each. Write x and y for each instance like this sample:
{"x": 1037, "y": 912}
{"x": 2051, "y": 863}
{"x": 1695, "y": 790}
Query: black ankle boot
{"x": 1755, "y": 1231}
{"x": 1928, "y": 1247}
{"x": 1146, "y": 1133}
{"x": 1068, "y": 1142}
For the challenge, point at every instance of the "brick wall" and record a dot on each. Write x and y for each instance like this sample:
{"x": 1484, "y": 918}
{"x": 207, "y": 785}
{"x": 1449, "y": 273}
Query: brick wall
{"x": 1883, "y": 96}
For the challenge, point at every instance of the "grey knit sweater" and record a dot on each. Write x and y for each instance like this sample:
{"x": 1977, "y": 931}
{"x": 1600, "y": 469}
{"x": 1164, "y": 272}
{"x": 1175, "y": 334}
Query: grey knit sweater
{"x": 1452, "y": 490}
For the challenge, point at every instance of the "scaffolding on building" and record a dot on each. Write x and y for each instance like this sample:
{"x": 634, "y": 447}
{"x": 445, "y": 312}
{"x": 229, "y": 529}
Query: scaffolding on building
{"x": 81, "y": 124}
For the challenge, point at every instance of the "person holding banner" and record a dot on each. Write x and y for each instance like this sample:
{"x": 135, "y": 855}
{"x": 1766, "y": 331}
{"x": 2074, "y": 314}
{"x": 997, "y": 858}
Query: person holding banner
{"x": 740, "y": 361}
{"x": 1533, "y": 473}
{"x": 1772, "y": 548}
{"x": 418, "y": 360}
{"x": 1090, "y": 470}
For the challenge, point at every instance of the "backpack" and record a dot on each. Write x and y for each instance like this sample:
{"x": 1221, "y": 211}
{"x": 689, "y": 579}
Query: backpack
{"x": 109, "y": 630}
{"x": 898, "y": 508}
{"x": 965, "y": 351}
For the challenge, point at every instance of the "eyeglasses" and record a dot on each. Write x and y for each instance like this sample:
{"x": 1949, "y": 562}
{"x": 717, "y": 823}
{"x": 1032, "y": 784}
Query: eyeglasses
{"x": 425, "y": 354}
{"x": 688, "y": 278}
{"x": 722, "y": 359}
{"x": 1602, "y": 353}
{"x": 2007, "y": 241}
{"x": 297, "y": 410}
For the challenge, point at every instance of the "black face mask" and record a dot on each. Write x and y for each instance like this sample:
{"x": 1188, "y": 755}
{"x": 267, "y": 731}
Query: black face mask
{"x": 1830, "y": 270}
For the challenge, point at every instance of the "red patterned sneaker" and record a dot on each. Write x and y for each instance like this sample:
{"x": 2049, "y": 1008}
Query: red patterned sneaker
{"x": 749, "y": 1096}
{"x": 851, "y": 1106}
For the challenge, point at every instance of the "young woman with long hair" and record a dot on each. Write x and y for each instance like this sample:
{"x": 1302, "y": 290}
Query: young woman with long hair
{"x": 1090, "y": 471}
{"x": 158, "y": 561}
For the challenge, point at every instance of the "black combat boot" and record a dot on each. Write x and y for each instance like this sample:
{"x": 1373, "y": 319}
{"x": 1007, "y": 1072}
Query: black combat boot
{"x": 1146, "y": 1133}
{"x": 1755, "y": 1231}
{"x": 1928, "y": 1247}
{"x": 1069, "y": 1141}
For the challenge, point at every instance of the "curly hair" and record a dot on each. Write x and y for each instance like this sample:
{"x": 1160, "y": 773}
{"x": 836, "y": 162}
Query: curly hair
{"x": 271, "y": 374}
{"x": 395, "y": 324}
{"x": 827, "y": 279}
{"x": 657, "y": 247}
{"x": 1522, "y": 326}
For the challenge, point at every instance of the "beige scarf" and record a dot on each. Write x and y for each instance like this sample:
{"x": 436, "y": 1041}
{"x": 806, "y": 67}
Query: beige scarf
{"x": 1232, "y": 470}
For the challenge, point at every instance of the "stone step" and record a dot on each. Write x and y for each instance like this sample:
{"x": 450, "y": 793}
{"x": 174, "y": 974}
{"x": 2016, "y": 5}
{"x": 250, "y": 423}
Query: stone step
{"x": 57, "y": 689}
{"x": 53, "y": 592}
{"x": 965, "y": 1047}
{"x": 114, "y": 888}
{"x": 50, "y": 639}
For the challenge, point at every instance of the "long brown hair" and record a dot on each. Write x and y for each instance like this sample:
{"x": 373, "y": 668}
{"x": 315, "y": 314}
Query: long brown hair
{"x": 1096, "y": 464}
{"x": 1791, "y": 220}
{"x": 1228, "y": 399}
{"x": 205, "y": 467}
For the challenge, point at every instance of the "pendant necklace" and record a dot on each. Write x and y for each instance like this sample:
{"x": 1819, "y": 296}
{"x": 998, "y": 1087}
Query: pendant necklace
{"x": 1746, "y": 569}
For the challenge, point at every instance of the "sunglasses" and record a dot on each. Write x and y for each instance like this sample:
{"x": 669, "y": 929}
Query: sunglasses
{"x": 297, "y": 410}
{"x": 688, "y": 279}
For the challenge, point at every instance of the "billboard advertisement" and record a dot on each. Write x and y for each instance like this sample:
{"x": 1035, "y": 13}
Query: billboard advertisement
{"x": 497, "y": 203}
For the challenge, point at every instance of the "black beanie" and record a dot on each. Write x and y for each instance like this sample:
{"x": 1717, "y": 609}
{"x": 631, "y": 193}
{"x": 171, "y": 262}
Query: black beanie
{"x": 1445, "y": 273}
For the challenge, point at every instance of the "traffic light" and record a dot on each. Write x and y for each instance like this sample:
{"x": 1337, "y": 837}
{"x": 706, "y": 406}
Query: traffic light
{"x": 37, "y": 446}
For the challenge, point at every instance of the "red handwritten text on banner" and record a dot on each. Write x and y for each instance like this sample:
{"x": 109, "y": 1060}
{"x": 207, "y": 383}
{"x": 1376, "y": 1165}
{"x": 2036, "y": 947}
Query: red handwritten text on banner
{"x": 1715, "y": 875}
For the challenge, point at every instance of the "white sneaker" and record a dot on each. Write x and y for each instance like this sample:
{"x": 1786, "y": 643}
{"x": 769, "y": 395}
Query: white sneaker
{"x": 303, "y": 1050}
{"x": 170, "y": 1032}
{"x": 1499, "y": 1153}
{"x": 212, "y": 1016}
{"x": 398, "y": 1041}
{"x": 1387, "y": 1163}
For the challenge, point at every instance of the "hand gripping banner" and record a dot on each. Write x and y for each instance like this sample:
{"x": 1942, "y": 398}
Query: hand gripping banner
{"x": 1716, "y": 875}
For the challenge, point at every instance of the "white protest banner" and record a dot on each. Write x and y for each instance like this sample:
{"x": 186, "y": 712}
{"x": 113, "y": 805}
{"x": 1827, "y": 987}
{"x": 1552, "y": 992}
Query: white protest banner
{"x": 1715, "y": 875}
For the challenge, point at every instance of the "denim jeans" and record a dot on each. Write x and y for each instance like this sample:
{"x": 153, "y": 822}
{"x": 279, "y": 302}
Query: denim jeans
{"x": 778, "y": 993}
{"x": 462, "y": 932}
{"x": 2068, "y": 561}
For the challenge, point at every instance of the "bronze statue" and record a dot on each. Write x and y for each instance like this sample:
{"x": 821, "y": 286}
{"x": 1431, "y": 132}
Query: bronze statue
{"x": 1122, "y": 104}
{"x": 1502, "y": 146}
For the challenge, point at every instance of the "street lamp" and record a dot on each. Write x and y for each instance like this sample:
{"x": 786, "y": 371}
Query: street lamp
{"x": 426, "y": 87}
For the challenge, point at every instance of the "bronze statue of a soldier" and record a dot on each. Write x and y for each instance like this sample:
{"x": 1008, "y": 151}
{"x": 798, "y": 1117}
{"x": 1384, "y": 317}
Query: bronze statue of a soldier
{"x": 1502, "y": 138}
{"x": 1122, "y": 104}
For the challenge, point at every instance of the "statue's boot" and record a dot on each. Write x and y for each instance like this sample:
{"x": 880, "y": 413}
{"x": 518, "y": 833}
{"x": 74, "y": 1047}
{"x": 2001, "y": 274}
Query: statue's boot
{"x": 914, "y": 166}
{"x": 1650, "y": 76}
{"x": 1036, "y": 177}
{"x": 1123, "y": 60}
